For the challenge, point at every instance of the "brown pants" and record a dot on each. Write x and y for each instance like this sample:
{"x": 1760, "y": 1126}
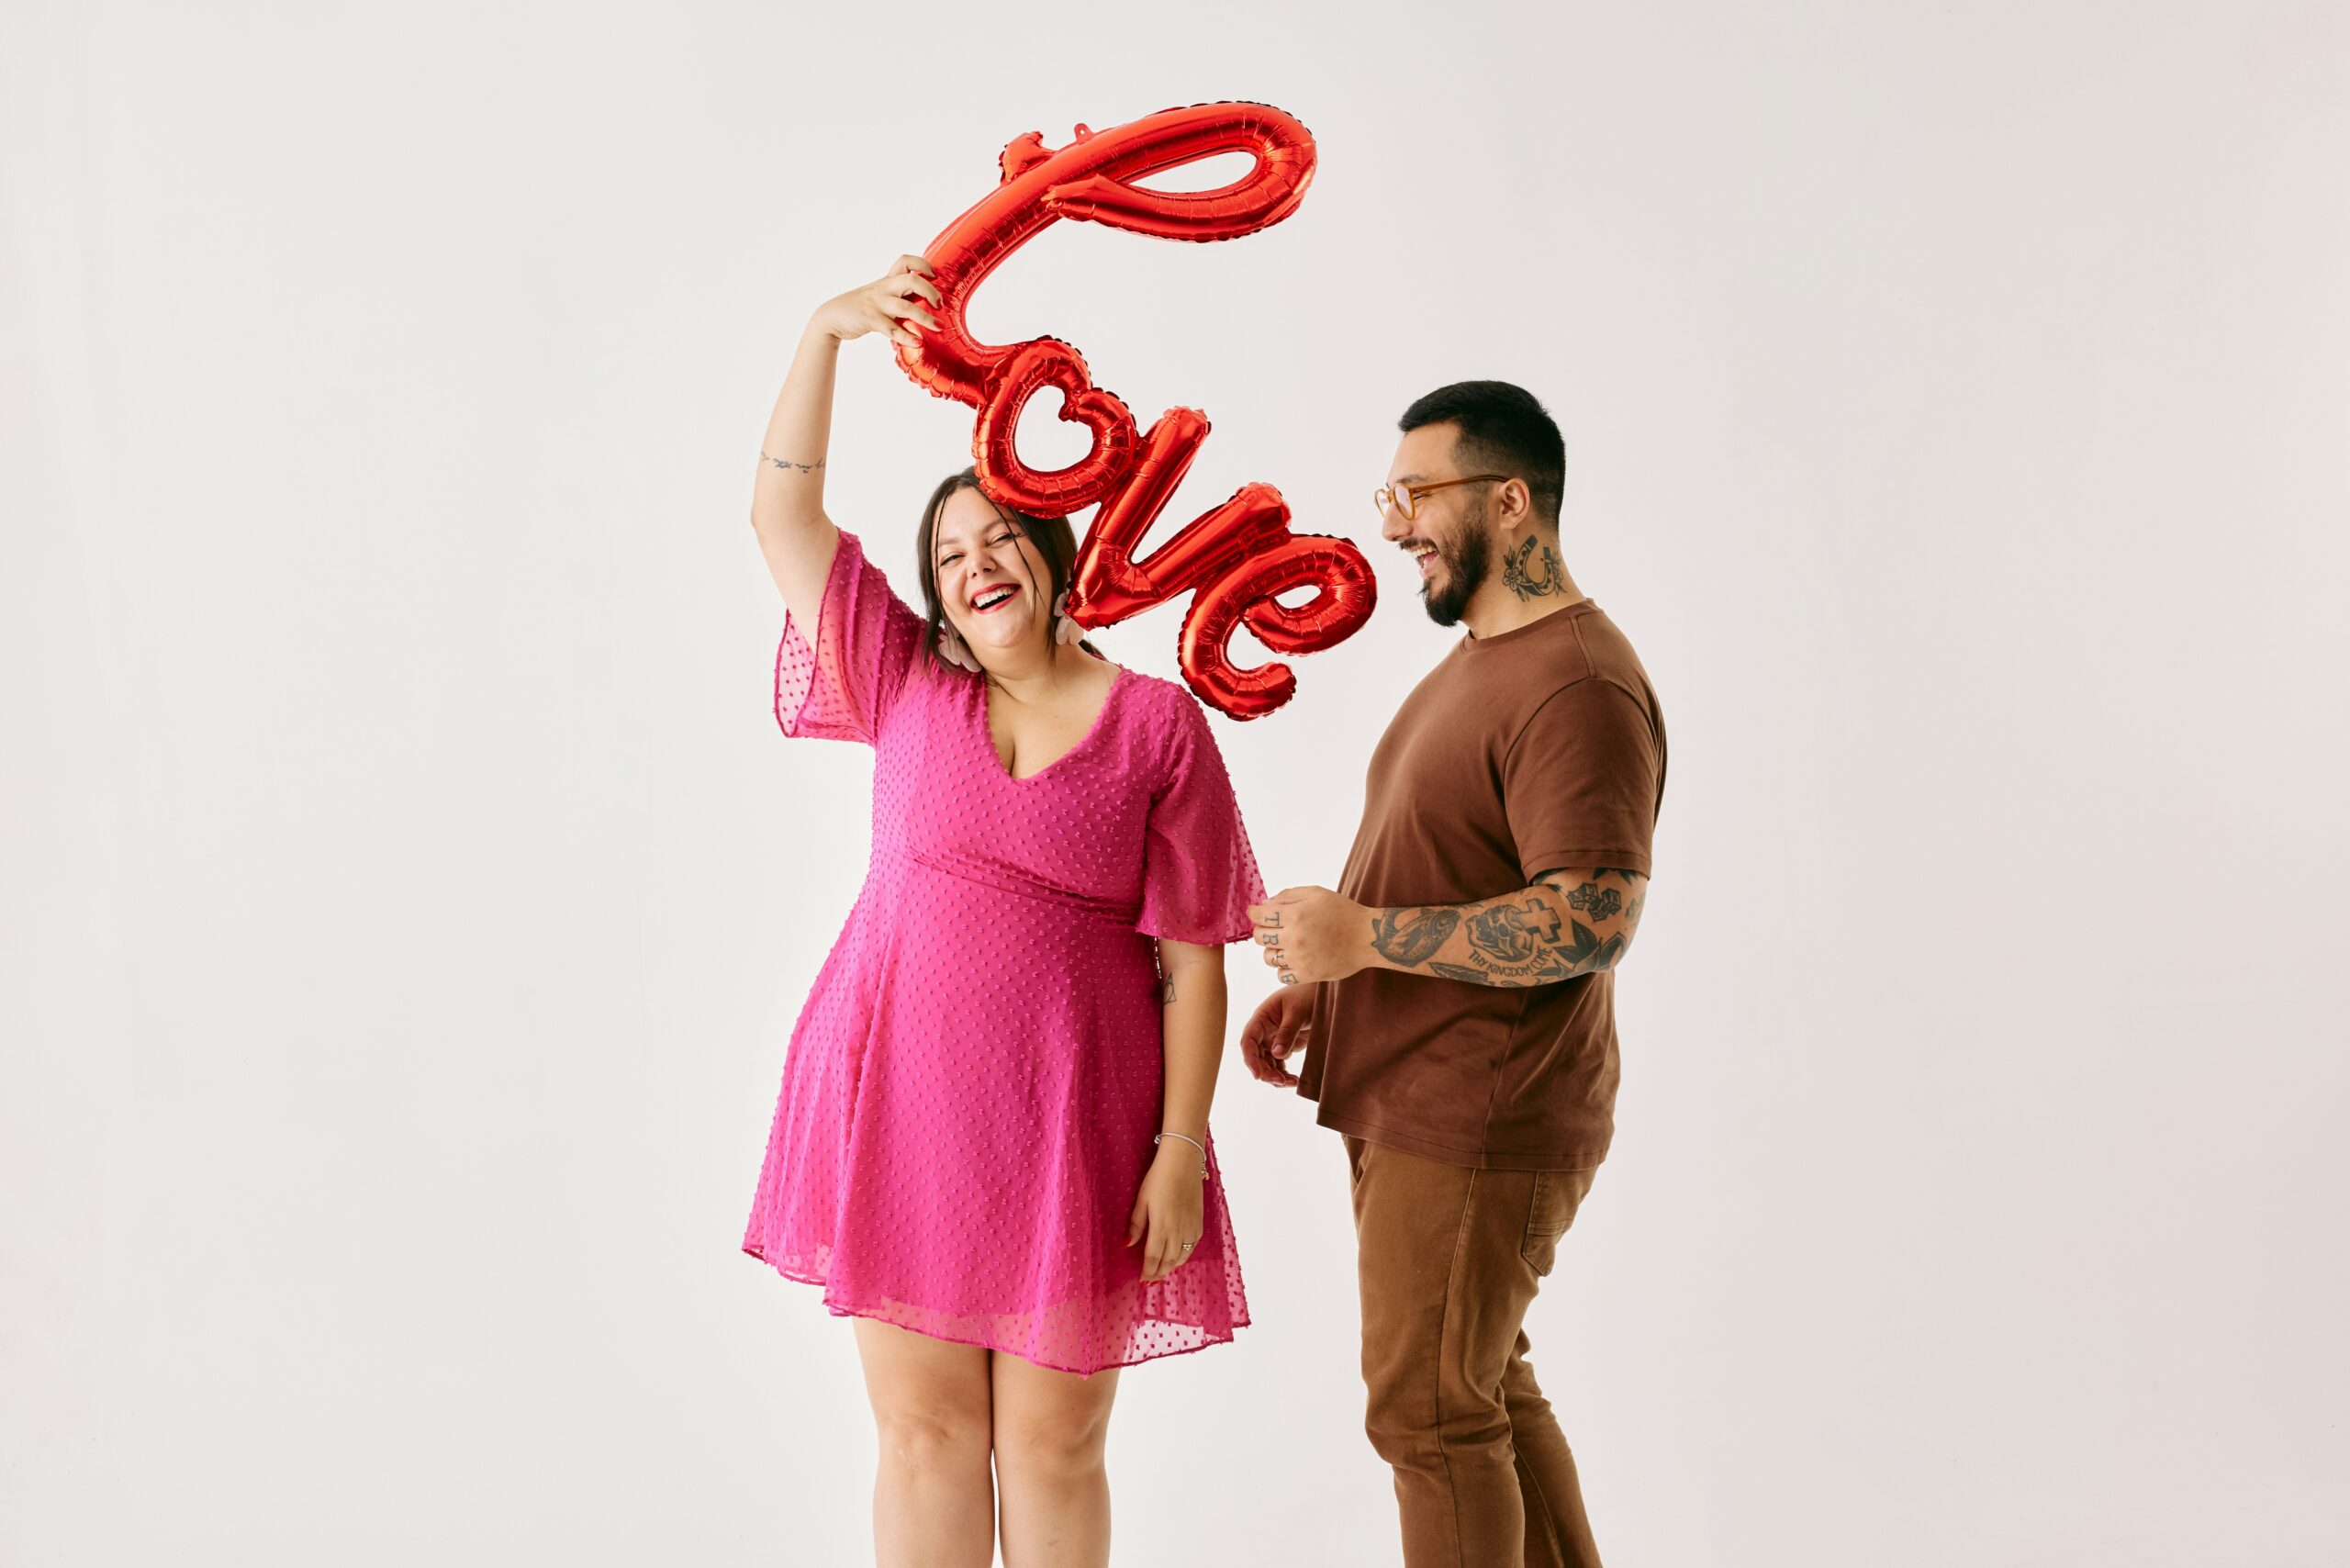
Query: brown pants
{"x": 1450, "y": 1259}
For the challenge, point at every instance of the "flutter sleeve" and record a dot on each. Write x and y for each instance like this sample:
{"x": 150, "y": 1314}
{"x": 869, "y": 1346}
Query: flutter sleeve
{"x": 1198, "y": 874}
{"x": 840, "y": 685}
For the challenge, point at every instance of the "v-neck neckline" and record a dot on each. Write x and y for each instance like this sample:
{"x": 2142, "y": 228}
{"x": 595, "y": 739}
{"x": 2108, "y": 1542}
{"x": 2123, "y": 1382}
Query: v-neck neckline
{"x": 987, "y": 731}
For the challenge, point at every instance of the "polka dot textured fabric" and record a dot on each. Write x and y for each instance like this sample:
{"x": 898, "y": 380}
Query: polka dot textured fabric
{"x": 972, "y": 1087}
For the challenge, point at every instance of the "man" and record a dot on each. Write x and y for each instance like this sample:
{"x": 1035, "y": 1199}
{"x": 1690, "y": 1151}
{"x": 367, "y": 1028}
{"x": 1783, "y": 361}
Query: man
{"x": 1455, "y": 995}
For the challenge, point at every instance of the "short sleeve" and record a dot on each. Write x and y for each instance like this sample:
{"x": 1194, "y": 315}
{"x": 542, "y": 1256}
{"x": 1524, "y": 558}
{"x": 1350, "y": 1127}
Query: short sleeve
{"x": 840, "y": 687}
{"x": 1582, "y": 780}
{"x": 1198, "y": 874}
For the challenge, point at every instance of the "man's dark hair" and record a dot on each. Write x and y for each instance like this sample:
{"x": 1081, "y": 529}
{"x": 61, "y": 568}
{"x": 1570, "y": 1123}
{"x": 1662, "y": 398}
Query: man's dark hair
{"x": 1503, "y": 429}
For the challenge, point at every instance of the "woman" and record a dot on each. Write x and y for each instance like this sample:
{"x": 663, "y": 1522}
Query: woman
{"x": 991, "y": 1148}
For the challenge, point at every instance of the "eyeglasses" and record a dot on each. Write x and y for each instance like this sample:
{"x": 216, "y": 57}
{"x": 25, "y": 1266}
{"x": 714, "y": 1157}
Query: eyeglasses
{"x": 1404, "y": 499}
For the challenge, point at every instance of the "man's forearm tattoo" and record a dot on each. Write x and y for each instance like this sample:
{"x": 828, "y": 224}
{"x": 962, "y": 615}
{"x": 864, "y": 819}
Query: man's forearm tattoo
{"x": 790, "y": 467}
{"x": 1632, "y": 879}
{"x": 1533, "y": 570}
{"x": 1412, "y": 936}
{"x": 1599, "y": 902}
{"x": 1519, "y": 939}
{"x": 1513, "y": 933}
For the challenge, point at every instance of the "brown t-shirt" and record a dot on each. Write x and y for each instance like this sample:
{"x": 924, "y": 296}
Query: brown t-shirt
{"x": 1537, "y": 750}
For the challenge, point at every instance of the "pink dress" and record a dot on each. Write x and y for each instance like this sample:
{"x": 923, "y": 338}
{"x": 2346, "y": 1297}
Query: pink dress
{"x": 972, "y": 1087}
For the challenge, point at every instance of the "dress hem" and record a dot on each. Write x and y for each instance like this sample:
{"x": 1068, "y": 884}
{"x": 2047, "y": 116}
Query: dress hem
{"x": 1240, "y": 1322}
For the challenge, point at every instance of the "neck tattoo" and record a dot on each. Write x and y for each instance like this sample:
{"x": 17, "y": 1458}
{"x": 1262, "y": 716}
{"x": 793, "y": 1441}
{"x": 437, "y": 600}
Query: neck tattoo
{"x": 1533, "y": 570}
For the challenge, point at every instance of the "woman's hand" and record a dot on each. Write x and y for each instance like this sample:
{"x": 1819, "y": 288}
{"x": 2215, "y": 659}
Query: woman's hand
{"x": 886, "y": 305}
{"x": 1169, "y": 1210}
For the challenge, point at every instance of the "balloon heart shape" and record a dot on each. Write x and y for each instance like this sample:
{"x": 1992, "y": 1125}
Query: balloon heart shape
{"x": 1234, "y": 559}
{"x": 1048, "y": 361}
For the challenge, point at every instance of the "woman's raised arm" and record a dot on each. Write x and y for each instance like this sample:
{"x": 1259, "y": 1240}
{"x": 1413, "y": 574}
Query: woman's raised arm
{"x": 788, "y": 498}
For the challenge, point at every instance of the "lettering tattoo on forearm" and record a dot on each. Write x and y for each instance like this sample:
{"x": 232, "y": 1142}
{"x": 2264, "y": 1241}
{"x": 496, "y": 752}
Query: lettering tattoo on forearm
{"x": 1533, "y": 570}
{"x": 1412, "y": 936}
{"x": 790, "y": 467}
{"x": 1554, "y": 931}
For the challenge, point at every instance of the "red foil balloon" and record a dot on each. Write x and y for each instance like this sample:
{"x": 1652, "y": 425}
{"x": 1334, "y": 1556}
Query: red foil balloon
{"x": 1235, "y": 559}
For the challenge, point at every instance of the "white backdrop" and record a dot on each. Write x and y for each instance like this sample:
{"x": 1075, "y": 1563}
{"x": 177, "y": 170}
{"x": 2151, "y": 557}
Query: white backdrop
{"x": 405, "y": 895}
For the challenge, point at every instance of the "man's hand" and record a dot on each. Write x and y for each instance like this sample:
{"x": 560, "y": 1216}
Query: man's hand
{"x": 1278, "y": 1028}
{"x": 1313, "y": 934}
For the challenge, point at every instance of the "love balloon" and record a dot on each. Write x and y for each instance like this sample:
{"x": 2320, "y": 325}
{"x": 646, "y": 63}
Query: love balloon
{"x": 1234, "y": 560}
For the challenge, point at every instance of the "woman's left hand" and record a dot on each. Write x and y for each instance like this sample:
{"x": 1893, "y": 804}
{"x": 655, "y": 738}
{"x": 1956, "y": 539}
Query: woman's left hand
{"x": 1169, "y": 1210}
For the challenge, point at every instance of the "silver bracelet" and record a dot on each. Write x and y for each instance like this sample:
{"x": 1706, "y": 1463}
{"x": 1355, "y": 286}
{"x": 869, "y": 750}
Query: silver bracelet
{"x": 1187, "y": 1137}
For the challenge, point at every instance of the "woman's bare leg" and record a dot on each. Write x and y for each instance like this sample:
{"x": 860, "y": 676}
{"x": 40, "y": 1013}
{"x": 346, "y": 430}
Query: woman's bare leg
{"x": 933, "y": 1503}
{"x": 1050, "y": 1430}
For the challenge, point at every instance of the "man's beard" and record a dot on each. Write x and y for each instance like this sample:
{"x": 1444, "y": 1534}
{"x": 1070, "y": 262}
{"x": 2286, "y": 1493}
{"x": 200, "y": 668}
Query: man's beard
{"x": 1466, "y": 558}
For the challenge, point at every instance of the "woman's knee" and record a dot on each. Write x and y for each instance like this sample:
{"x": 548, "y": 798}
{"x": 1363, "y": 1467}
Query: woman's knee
{"x": 930, "y": 1399}
{"x": 926, "y": 1435}
{"x": 1053, "y": 1442}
